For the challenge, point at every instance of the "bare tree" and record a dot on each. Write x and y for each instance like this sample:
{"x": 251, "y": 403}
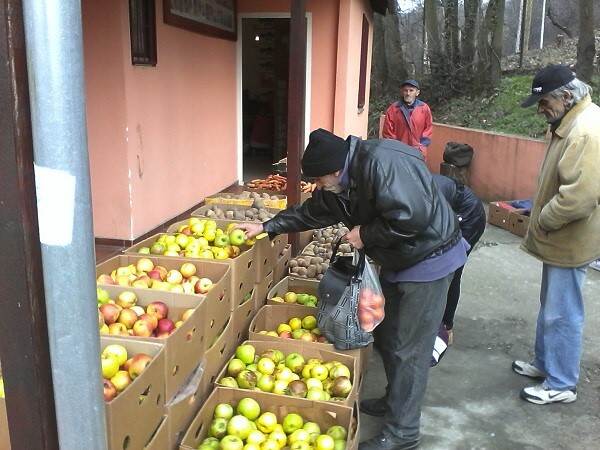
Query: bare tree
{"x": 554, "y": 20}
{"x": 586, "y": 48}
{"x": 451, "y": 32}
{"x": 471, "y": 8}
{"x": 525, "y": 28}
{"x": 490, "y": 46}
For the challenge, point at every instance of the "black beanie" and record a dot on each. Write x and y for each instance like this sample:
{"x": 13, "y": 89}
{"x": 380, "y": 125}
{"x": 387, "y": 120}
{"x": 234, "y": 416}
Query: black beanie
{"x": 325, "y": 153}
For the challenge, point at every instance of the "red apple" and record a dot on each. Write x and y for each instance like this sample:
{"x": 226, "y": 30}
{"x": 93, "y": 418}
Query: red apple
{"x": 127, "y": 364}
{"x": 158, "y": 309}
{"x": 165, "y": 325}
{"x": 155, "y": 274}
{"x": 105, "y": 279}
{"x": 144, "y": 265}
{"x": 128, "y": 317}
{"x": 203, "y": 285}
{"x": 121, "y": 380}
{"x": 141, "y": 328}
{"x": 110, "y": 391}
{"x": 100, "y": 320}
{"x": 117, "y": 329}
{"x": 163, "y": 272}
{"x": 138, "y": 364}
{"x": 285, "y": 335}
{"x": 151, "y": 320}
{"x": 163, "y": 334}
{"x": 110, "y": 313}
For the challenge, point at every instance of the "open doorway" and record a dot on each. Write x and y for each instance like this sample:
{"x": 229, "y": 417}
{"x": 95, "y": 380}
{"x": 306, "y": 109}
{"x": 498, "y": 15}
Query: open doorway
{"x": 263, "y": 70}
{"x": 265, "y": 73}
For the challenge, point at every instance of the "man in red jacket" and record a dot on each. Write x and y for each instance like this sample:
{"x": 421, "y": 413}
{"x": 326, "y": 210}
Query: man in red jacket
{"x": 409, "y": 120}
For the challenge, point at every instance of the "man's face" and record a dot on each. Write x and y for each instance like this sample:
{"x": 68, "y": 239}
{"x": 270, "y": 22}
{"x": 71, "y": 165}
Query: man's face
{"x": 554, "y": 109}
{"x": 331, "y": 182}
{"x": 409, "y": 94}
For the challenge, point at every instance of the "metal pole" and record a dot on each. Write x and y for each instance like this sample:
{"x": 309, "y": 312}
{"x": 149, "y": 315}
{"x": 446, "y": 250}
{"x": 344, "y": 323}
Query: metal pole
{"x": 53, "y": 33}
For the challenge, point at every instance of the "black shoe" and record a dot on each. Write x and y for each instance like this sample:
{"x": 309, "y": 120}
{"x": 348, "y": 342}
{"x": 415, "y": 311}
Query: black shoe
{"x": 374, "y": 406}
{"x": 384, "y": 441}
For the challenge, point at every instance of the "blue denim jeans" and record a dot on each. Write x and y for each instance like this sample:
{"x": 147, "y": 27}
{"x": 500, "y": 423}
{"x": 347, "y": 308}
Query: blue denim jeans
{"x": 560, "y": 326}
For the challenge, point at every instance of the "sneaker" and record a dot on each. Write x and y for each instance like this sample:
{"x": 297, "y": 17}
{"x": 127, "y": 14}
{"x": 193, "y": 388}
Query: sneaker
{"x": 385, "y": 441}
{"x": 527, "y": 369}
{"x": 374, "y": 406}
{"x": 542, "y": 395}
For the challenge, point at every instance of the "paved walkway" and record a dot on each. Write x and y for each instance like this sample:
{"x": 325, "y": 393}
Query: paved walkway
{"x": 472, "y": 400}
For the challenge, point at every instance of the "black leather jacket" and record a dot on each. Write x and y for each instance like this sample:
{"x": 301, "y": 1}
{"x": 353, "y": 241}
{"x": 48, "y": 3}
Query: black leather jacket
{"x": 392, "y": 195}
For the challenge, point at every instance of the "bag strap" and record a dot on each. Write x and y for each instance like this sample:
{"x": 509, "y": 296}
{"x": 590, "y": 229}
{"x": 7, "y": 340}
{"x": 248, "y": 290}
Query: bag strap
{"x": 360, "y": 265}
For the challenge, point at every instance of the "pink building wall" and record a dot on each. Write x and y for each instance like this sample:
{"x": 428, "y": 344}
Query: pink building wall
{"x": 160, "y": 138}
{"x": 505, "y": 167}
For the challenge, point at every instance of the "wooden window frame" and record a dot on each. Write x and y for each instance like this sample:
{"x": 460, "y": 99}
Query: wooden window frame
{"x": 364, "y": 50}
{"x": 142, "y": 31}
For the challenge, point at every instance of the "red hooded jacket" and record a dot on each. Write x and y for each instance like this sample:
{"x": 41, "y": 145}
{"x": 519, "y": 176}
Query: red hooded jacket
{"x": 409, "y": 124}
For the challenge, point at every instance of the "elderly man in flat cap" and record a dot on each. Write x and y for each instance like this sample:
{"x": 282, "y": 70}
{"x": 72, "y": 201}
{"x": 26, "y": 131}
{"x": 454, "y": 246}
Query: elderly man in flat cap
{"x": 383, "y": 192}
{"x": 409, "y": 119}
{"x": 564, "y": 231}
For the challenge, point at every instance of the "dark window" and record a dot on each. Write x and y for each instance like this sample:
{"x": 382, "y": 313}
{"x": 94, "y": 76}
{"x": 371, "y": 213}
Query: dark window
{"x": 364, "y": 48}
{"x": 142, "y": 28}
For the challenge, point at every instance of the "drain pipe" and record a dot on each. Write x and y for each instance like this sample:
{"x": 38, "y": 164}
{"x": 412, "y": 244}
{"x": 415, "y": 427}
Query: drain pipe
{"x": 53, "y": 35}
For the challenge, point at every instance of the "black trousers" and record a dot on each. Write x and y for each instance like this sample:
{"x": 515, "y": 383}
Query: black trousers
{"x": 472, "y": 234}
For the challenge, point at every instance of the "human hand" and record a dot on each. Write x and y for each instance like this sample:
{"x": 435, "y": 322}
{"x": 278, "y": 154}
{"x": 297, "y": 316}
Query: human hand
{"x": 251, "y": 229}
{"x": 353, "y": 237}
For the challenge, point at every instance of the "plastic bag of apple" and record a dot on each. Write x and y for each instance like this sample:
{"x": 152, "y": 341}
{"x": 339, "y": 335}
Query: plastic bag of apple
{"x": 123, "y": 317}
{"x": 120, "y": 369}
{"x": 303, "y": 329}
{"x": 201, "y": 238}
{"x": 251, "y": 424}
{"x": 146, "y": 275}
{"x": 291, "y": 374}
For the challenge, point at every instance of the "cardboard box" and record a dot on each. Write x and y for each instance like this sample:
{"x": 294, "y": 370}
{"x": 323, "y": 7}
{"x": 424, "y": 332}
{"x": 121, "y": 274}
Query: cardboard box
{"x": 133, "y": 416}
{"x": 4, "y": 434}
{"x": 216, "y": 357}
{"x": 290, "y": 346}
{"x": 518, "y": 222}
{"x": 203, "y": 210}
{"x": 242, "y": 267}
{"x": 292, "y": 284}
{"x": 160, "y": 439}
{"x": 283, "y": 260}
{"x": 279, "y": 202}
{"x": 499, "y": 215}
{"x": 262, "y": 289}
{"x": 326, "y": 414}
{"x": 270, "y": 316}
{"x": 242, "y": 316}
{"x": 184, "y": 348}
{"x": 219, "y": 272}
{"x": 268, "y": 252}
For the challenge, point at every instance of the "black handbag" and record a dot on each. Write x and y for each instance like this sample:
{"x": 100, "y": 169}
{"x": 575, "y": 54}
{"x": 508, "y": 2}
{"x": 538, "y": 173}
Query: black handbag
{"x": 338, "y": 302}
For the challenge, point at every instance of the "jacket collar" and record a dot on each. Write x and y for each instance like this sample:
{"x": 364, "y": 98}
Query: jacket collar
{"x": 567, "y": 122}
{"x": 400, "y": 104}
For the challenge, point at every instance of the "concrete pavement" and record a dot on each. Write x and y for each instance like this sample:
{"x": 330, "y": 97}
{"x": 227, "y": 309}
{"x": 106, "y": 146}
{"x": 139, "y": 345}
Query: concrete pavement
{"x": 472, "y": 399}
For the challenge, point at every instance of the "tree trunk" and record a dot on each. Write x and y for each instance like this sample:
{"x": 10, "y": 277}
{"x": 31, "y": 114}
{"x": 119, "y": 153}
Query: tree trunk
{"x": 586, "y": 48}
{"x": 497, "y": 39}
{"x": 490, "y": 46}
{"x": 468, "y": 37}
{"x": 451, "y": 31}
{"x": 525, "y": 28}
{"x": 395, "y": 64}
{"x": 379, "y": 64}
{"x": 435, "y": 54}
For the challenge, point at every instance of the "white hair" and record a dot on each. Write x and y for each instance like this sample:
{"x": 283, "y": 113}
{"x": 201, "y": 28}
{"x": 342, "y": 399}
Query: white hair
{"x": 578, "y": 90}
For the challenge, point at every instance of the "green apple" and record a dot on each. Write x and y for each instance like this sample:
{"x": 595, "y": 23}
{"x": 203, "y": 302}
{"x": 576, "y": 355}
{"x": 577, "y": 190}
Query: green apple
{"x": 218, "y": 428}
{"x": 266, "y": 422}
{"x": 339, "y": 444}
{"x": 319, "y": 372}
{"x": 245, "y": 353}
{"x": 144, "y": 250}
{"x": 256, "y": 437}
{"x": 300, "y": 435}
{"x": 228, "y": 382}
{"x": 235, "y": 366}
{"x": 239, "y": 426}
{"x": 221, "y": 240}
{"x": 266, "y": 366}
{"x": 249, "y": 408}
{"x": 224, "y": 411}
{"x": 102, "y": 295}
{"x": 266, "y": 383}
{"x": 246, "y": 379}
{"x": 324, "y": 442}
{"x": 292, "y": 422}
{"x": 295, "y": 362}
{"x": 300, "y": 445}
{"x": 317, "y": 395}
{"x": 237, "y": 237}
{"x": 337, "y": 432}
{"x": 230, "y": 442}
{"x": 280, "y": 387}
{"x": 211, "y": 443}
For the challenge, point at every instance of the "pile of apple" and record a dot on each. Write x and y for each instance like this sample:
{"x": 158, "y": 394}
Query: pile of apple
{"x": 118, "y": 370}
{"x": 297, "y": 297}
{"x": 247, "y": 427}
{"x": 304, "y": 329}
{"x": 123, "y": 317}
{"x": 289, "y": 374}
{"x": 145, "y": 275}
{"x": 200, "y": 238}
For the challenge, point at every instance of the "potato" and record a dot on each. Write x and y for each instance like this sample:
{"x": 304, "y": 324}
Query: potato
{"x": 210, "y": 213}
{"x": 320, "y": 277}
{"x": 229, "y": 214}
{"x": 311, "y": 272}
{"x": 238, "y": 215}
{"x": 293, "y": 263}
{"x": 303, "y": 262}
{"x": 316, "y": 260}
{"x": 301, "y": 271}
{"x": 294, "y": 269}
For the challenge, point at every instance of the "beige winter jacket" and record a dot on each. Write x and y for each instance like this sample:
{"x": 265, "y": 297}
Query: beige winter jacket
{"x": 564, "y": 228}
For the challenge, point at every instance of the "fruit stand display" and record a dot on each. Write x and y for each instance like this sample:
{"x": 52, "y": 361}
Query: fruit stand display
{"x": 160, "y": 440}
{"x": 241, "y": 261}
{"x": 303, "y": 289}
{"x": 134, "y": 387}
{"x": 280, "y": 422}
{"x": 294, "y": 369}
{"x": 238, "y": 213}
{"x": 180, "y": 322}
{"x": 278, "y": 183}
{"x": 264, "y": 198}
{"x": 282, "y": 263}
